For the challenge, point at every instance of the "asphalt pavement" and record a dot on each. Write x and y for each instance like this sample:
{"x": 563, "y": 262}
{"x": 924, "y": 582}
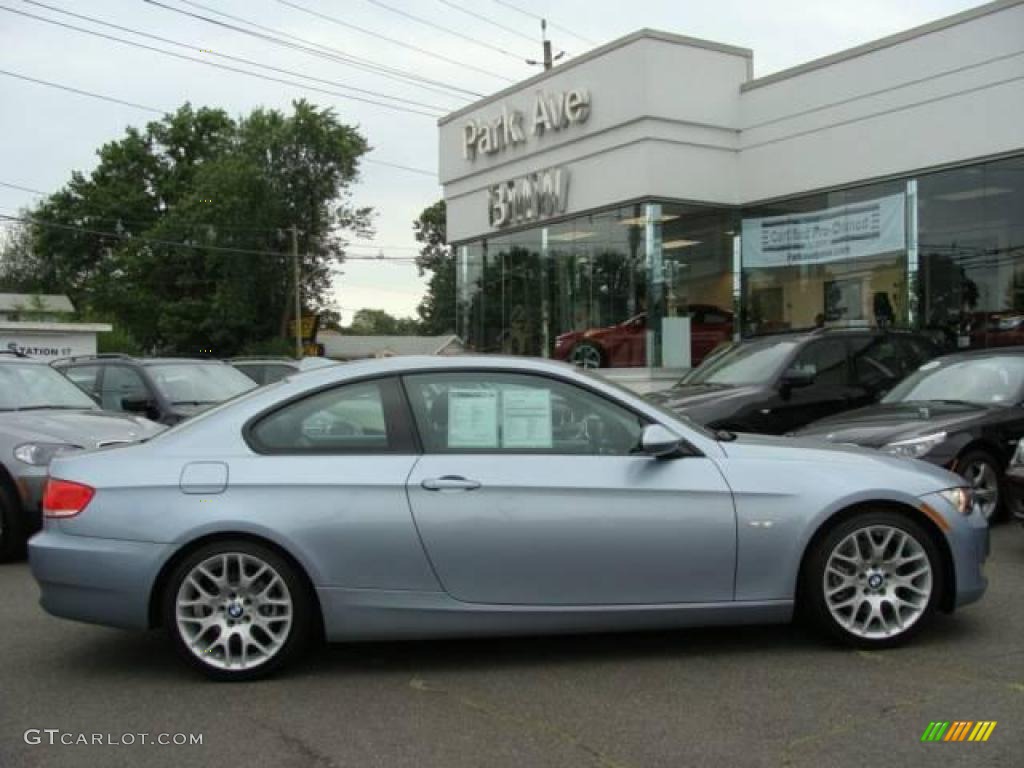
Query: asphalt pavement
{"x": 760, "y": 696}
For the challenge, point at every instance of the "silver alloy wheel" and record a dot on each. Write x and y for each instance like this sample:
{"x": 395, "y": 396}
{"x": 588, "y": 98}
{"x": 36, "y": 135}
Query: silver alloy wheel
{"x": 878, "y": 581}
{"x": 234, "y": 611}
{"x": 985, "y": 484}
{"x": 586, "y": 356}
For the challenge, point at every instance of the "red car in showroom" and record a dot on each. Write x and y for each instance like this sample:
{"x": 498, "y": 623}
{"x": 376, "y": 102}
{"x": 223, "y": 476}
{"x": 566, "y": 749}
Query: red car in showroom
{"x": 624, "y": 345}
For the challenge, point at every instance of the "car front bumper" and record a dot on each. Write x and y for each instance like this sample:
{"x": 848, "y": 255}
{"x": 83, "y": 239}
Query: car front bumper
{"x": 101, "y": 581}
{"x": 969, "y": 545}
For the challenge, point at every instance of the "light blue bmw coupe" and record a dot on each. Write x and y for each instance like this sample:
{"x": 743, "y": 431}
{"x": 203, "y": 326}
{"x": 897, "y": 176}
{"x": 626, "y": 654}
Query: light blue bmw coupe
{"x": 428, "y": 497}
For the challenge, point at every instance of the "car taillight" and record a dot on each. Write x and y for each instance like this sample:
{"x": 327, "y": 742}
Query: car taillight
{"x": 63, "y": 498}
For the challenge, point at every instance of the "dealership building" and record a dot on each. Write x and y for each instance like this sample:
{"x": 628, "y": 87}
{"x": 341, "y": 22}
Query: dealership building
{"x": 638, "y": 204}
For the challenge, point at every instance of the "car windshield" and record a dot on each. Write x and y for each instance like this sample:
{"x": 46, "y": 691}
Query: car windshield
{"x": 749, "y": 362}
{"x": 199, "y": 383}
{"x": 31, "y": 386}
{"x": 980, "y": 381}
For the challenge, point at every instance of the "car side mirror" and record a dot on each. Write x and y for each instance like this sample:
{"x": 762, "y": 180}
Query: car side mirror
{"x": 660, "y": 442}
{"x": 137, "y": 404}
{"x": 795, "y": 378}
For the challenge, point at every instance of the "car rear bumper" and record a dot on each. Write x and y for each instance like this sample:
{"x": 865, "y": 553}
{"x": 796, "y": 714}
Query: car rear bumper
{"x": 101, "y": 581}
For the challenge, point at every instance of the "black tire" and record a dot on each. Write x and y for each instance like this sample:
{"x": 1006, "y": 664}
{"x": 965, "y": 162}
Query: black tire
{"x": 980, "y": 457}
{"x": 296, "y": 638}
{"x": 586, "y": 353}
{"x": 12, "y": 532}
{"x": 812, "y": 599}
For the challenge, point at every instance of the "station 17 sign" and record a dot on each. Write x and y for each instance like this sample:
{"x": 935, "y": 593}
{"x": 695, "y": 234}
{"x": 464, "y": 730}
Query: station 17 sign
{"x": 49, "y": 346}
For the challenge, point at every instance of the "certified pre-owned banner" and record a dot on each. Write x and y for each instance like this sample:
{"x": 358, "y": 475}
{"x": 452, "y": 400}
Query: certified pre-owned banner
{"x": 833, "y": 234}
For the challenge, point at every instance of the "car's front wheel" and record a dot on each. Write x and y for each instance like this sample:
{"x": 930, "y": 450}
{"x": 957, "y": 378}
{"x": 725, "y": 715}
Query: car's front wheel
{"x": 237, "y": 610}
{"x": 587, "y": 354}
{"x": 874, "y": 580}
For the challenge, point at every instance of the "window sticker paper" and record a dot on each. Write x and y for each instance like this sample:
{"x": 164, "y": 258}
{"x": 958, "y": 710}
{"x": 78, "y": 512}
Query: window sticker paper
{"x": 526, "y": 418}
{"x": 472, "y": 418}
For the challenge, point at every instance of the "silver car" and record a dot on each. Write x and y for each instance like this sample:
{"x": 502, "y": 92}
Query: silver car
{"x": 426, "y": 497}
{"x": 42, "y": 414}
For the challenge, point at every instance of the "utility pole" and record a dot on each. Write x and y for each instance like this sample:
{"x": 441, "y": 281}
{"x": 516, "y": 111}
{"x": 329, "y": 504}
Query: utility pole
{"x": 298, "y": 292}
{"x": 549, "y": 59}
{"x": 547, "y": 43}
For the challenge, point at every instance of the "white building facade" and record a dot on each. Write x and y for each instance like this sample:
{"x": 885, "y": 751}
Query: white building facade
{"x": 637, "y": 205}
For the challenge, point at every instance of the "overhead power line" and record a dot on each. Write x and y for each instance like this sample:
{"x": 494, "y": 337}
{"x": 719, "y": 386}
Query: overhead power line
{"x": 81, "y": 92}
{"x": 23, "y": 189}
{"x": 143, "y": 107}
{"x": 174, "y": 244}
{"x": 249, "y": 62}
{"x": 446, "y": 30}
{"x": 322, "y": 51}
{"x": 226, "y": 67}
{"x": 392, "y": 40}
{"x": 488, "y": 20}
{"x": 538, "y": 17}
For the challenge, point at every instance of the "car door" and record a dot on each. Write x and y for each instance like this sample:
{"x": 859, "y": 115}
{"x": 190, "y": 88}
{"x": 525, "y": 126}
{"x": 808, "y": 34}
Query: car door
{"x": 830, "y": 392}
{"x": 328, "y": 473}
{"x": 531, "y": 491}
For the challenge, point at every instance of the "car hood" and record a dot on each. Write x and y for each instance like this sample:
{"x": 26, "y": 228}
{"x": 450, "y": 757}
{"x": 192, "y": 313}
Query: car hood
{"x": 84, "y": 428}
{"x": 685, "y": 396}
{"x": 877, "y": 425}
{"x": 919, "y": 477}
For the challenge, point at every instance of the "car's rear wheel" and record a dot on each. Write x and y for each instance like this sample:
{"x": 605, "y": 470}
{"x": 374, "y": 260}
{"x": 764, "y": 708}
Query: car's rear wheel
{"x": 587, "y": 354}
{"x": 237, "y": 610}
{"x": 982, "y": 472}
{"x": 874, "y": 580}
{"x": 12, "y": 538}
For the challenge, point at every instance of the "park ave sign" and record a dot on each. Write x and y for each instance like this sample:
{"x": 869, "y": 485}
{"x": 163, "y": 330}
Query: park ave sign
{"x": 551, "y": 112}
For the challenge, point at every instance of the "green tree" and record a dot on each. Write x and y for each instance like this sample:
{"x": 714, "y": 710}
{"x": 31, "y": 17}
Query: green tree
{"x": 200, "y": 178}
{"x": 436, "y": 258}
{"x": 377, "y": 322}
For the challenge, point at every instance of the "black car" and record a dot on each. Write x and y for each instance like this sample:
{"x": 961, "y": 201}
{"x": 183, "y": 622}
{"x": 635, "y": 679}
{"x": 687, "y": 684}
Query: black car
{"x": 775, "y": 384}
{"x": 963, "y": 412}
{"x": 164, "y": 389}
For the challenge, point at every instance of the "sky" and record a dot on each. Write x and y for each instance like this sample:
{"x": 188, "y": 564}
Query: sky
{"x": 45, "y": 133}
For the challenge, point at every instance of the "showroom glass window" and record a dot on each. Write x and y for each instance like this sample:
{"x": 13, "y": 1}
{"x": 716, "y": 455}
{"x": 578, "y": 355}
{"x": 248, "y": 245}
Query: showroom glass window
{"x": 610, "y": 289}
{"x": 971, "y": 246}
{"x": 831, "y": 259}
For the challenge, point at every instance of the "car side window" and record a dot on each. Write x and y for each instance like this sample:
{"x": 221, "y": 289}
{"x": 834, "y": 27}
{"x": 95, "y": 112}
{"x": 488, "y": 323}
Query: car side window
{"x": 365, "y": 417}
{"x": 879, "y": 362}
{"x": 120, "y": 383}
{"x": 85, "y": 378}
{"x": 826, "y": 360}
{"x": 493, "y": 412}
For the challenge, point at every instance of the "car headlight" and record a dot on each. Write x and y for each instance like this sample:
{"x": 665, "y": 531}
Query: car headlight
{"x": 40, "y": 454}
{"x": 961, "y": 498}
{"x": 915, "y": 447}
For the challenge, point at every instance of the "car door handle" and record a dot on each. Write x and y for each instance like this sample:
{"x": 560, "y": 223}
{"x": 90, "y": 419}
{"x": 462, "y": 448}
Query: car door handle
{"x": 450, "y": 483}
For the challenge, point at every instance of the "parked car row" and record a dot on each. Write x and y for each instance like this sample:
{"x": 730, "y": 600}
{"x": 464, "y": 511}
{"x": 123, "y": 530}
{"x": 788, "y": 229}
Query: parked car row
{"x": 101, "y": 400}
{"x": 876, "y": 389}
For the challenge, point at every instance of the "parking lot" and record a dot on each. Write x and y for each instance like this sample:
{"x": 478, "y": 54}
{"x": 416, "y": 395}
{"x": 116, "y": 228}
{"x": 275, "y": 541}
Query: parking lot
{"x": 728, "y": 697}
